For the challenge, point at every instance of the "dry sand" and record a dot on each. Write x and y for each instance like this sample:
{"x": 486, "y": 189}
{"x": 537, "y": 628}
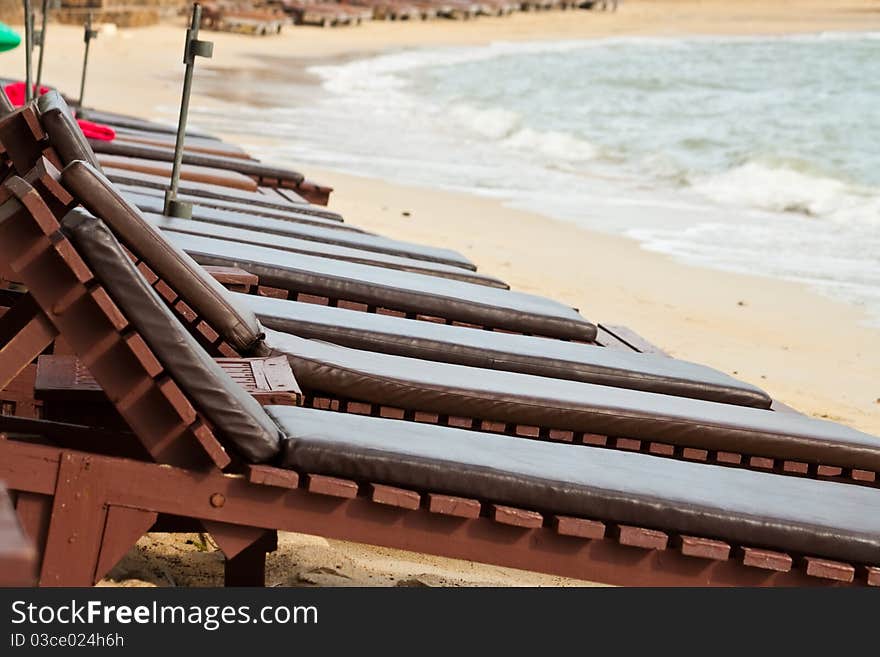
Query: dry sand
{"x": 805, "y": 349}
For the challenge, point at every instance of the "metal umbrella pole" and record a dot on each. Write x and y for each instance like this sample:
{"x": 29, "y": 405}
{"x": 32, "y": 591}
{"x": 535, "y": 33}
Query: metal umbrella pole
{"x": 28, "y": 51}
{"x": 193, "y": 48}
{"x": 88, "y": 35}
{"x": 40, "y": 40}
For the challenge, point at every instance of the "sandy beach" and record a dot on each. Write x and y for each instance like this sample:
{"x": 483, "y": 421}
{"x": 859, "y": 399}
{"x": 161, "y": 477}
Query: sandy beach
{"x": 810, "y": 351}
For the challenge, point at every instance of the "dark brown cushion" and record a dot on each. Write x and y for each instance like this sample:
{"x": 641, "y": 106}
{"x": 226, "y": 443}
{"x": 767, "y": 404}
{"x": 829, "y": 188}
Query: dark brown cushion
{"x": 63, "y": 130}
{"x": 202, "y": 292}
{"x": 804, "y": 516}
{"x": 332, "y": 251}
{"x": 236, "y": 417}
{"x": 502, "y": 351}
{"x": 250, "y": 168}
{"x": 414, "y": 293}
{"x": 571, "y": 405}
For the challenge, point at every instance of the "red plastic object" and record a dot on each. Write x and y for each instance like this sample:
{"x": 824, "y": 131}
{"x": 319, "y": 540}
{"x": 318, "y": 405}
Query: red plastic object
{"x": 15, "y": 91}
{"x": 97, "y": 131}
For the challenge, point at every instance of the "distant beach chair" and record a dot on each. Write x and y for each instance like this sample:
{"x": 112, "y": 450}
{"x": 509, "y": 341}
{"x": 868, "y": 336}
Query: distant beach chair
{"x": 244, "y": 18}
{"x": 325, "y": 14}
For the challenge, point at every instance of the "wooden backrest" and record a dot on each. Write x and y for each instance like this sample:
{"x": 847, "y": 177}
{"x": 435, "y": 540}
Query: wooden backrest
{"x": 64, "y": 287}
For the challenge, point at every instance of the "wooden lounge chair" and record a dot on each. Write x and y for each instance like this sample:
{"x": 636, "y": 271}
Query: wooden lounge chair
{"x": 173, "y": 226}
{"x": 416, "y": 294}
{"x": 581, "y": 512}
{"x": 17, "y": 554}
{"x": 319, "y": 280}
{"x": 244, "y": 18}
{"x": 267, "y": 201}
{"x": 518, "y": 404}
{"x": 150, "y": 158}
{"x": 359, "y": 248}
{"x": 196, "y": 144}
{"x": 613, "y": 363}
{"x": 188, "y": 172}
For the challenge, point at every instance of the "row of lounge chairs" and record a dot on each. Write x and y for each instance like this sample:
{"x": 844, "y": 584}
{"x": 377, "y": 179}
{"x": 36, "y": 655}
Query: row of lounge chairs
{"x": 353, "y": 12}
{"x": 266, "y": 366}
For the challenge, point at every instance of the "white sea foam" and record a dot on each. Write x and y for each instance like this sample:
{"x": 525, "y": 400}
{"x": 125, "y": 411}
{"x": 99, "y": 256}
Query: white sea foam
{"x": 493, "y": 123}
{"x": 507, "y": 128}
{"x": 784, "y": 189}
{"x": 552, "y": 144}
{"x": 696, "y": 147}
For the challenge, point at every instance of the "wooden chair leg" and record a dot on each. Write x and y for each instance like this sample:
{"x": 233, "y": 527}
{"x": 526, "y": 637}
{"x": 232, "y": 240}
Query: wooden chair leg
{"x": 245, "y": 549}
{"x": 79, "y": 514}
{"x": 248, "y": 568}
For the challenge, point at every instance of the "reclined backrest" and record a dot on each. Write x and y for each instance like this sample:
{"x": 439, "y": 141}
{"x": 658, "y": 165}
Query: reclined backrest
{"x": 207, "y": 297}
{"x": 64, "y": 133}
{"x": 234, "y": 414}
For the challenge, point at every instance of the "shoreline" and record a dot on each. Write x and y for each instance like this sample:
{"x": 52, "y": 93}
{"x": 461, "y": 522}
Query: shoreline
{"x": 808, "y": 350}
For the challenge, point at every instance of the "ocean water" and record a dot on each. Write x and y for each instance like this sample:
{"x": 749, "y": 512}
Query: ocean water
{"x": 759, "y": 155}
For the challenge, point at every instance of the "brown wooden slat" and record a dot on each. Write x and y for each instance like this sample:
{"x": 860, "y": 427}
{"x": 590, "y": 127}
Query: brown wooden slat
{"x": 766, "y": 559}
{"x": 187, "y": 493}
{"x": 826, "y": 569}
{"x": 579, "y": 527}
{"x": 393, "y": 496}
{"x": 641, "y": 537}
{"x": 633, "y": 339}
{"x": 704, "y": 548}
{"x": 450, "y": 505}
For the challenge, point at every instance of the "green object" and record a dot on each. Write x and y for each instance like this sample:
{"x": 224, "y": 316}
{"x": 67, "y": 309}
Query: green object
{"x": 9, "y": 38}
